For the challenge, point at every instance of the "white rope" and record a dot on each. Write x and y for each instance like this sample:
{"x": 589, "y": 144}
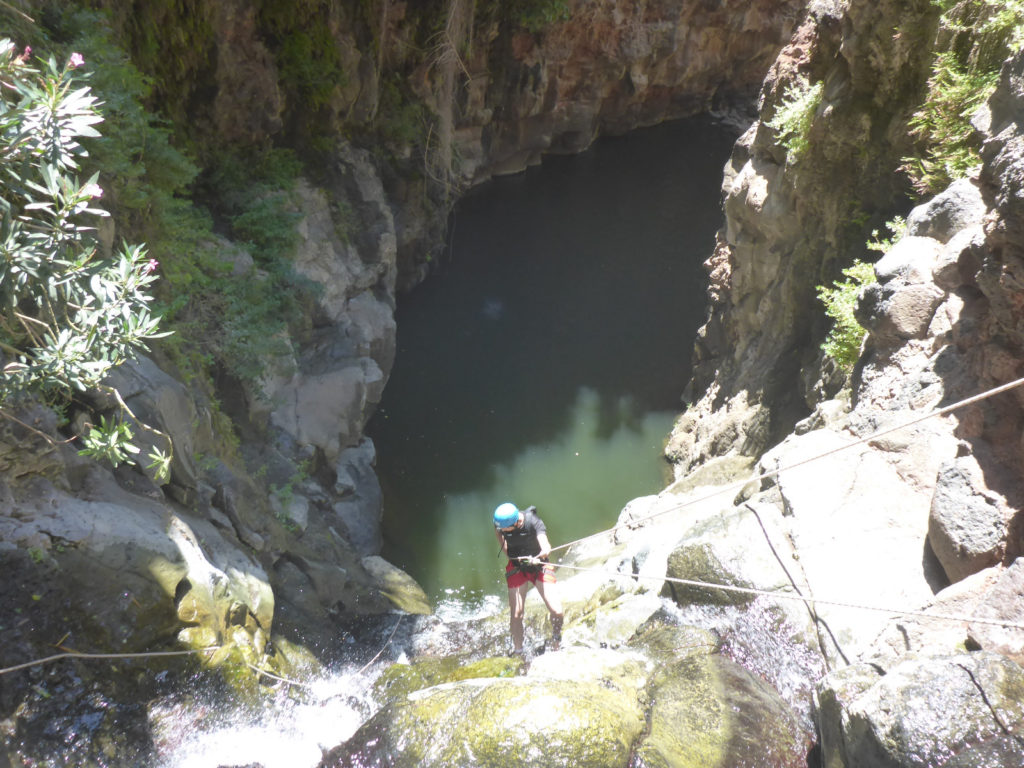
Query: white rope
{"x": 149, "y": 654}
{"x": 77, "y": 655}
{"x": 272, "y": 676}
{"x": 765, "y": 475}
{"x": 801, "y": 598}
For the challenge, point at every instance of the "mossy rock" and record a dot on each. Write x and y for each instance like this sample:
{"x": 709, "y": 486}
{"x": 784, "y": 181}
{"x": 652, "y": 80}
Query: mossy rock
{"x": 698, "y": 562}
{"x": 249, "y": 675}
{"x": 397, "y": 586}
{"x": 625, "y": 672}
{"x": 709, "y": 712}
{"x": 293, "y": 660}
{"x": 667, "y": 642}
{"x": 498, "y": 723}
{"x": 237, "y": 667}
{"x": 399, "y": 680}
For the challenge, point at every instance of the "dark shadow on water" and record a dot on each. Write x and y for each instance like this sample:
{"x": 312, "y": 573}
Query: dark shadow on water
{"x": 582, "y": 273}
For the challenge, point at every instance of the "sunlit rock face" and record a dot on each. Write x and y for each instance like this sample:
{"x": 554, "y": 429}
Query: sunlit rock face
{"x": 901, "y": 718}
{"x": 507, "y": 89}
{"x": 757, "y": 366}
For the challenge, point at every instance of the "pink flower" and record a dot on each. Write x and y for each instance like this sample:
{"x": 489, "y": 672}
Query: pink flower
{"x": 76, "y": 60}
{"x": 24, "y": 56}
{"x": 93, "y": 190}
{"x": 151, "y": 266}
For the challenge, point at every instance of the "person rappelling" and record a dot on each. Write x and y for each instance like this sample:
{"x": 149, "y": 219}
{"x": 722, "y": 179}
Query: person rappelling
{"x": 524, "y": 540}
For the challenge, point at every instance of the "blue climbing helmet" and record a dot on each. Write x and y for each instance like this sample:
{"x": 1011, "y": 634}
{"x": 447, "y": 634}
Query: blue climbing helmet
{"x": 506, "y": 515}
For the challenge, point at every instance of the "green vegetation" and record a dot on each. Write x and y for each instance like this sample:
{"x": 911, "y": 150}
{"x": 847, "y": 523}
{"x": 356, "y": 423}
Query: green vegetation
{"x": 401, "y": 120}
{"x": 998, "y": 25}
{"x": 844, "y": 339}
{"x": 225, "y": 283}
{"x": 232, "y": 319}
{"x": 897, "y": 226}
{"x": 535, "y": 15}
{"x": 285, "y": 494}
{"x": 955, "y": 92}
{"x": 237, "y": 314}
{"x": 305, "y": 50}
{"x": 840, "y": 299}
{"x": 794, "y": 116}
{"x": 975, "y": 37}
{"x": 532, "y": 15}
{"x": 69, "y": 313}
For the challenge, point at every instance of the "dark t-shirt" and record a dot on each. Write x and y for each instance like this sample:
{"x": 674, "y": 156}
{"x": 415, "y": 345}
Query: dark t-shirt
{"x": 522, "y": 542}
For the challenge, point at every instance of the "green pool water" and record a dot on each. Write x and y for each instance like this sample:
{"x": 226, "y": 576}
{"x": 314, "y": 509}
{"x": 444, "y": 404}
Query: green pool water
{"x": 544, "y": 360}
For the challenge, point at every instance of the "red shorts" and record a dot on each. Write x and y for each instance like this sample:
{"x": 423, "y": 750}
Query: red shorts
{"x": 516, "y": 578}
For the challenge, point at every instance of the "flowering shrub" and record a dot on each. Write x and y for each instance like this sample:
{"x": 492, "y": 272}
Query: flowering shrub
{"x": 68, "y": 314}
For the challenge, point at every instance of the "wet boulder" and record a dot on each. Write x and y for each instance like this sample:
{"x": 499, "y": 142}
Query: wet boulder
{"x": 835, "y": 519}
{"x": 396, "y": 585}
{"x": 903, "y": 718}
{"x": 710, "y": 711}
{"x": 698, "y": 562}
{"x": 399, "y": 680}
{"x": 744, "y": 547}
{"x": 579, "y": 707}
{"x": 609, "y": 618}
{"x": 498, "y": 723}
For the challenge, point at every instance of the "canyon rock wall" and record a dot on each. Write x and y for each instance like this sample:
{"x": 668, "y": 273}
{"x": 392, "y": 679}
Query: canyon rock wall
{"x": 793, "y": 223}
{"x": 609, "y": 67}
{"x": 453, "y": 92}
{"x": 228, "y": 75}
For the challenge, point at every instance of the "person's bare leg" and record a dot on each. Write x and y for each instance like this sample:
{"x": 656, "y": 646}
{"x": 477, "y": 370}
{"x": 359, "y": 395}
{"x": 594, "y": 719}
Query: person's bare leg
{"x": 516, "y": 604}
{"x": 549, "y": 594}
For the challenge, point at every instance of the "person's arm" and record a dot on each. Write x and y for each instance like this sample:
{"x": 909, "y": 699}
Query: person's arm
{"x": 501, "y": 540}
{"x": 545, "y": 545}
